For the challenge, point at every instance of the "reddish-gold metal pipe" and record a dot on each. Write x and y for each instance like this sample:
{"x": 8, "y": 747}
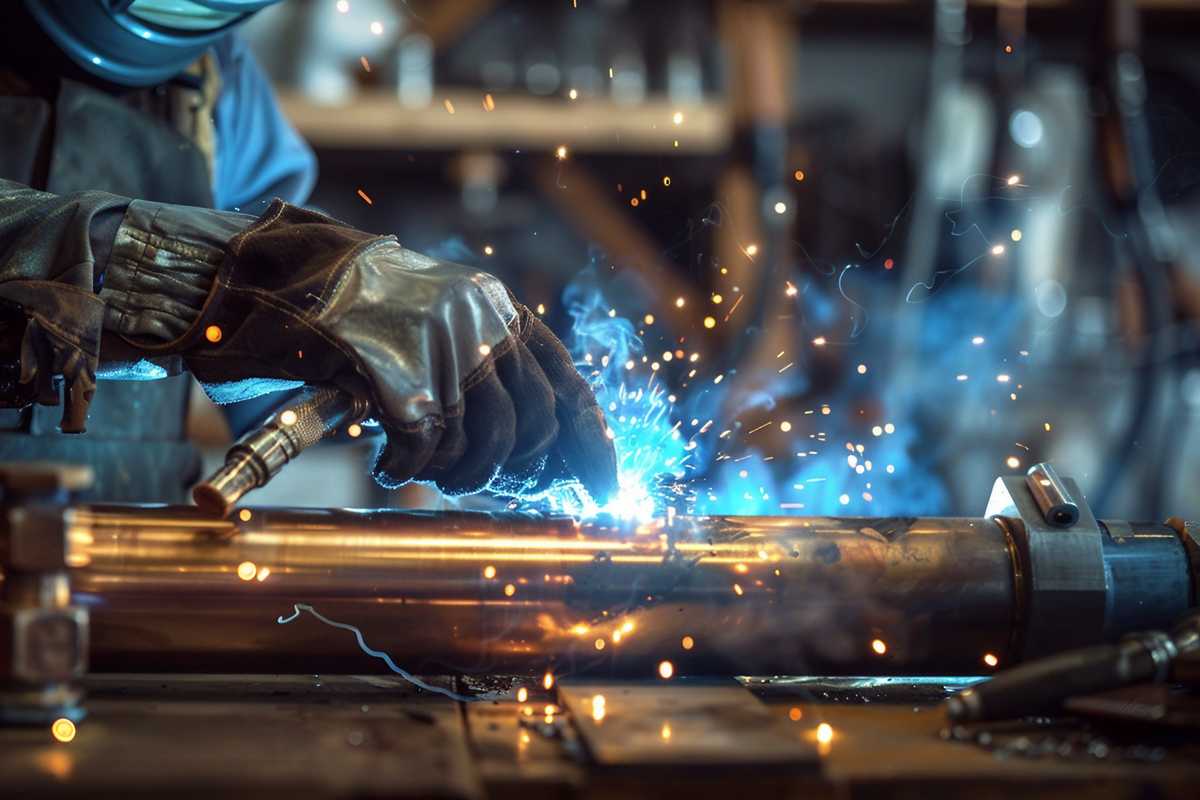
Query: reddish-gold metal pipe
{"x": 169, "y": 589}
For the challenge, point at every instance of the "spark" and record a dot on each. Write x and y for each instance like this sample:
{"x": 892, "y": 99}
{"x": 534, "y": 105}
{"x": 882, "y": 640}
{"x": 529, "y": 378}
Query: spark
{"x": 343, "y": 6}
{"x": 791, "y": 290}
{"x": 449, "y": 106}
{"x": 665, "y": 733}
{"x": 485, "y": 350}
{"x": 63, "y": 730}
{"x": 599, "y": 644}
{"x": 489, "y": 572}
{"x": 573, "y": 94}
{"x": 824, "y": 733}
{"x": 680, "y": 302}
{"x": 998, "y": 250}
{"x": 716, "y": 298}
{"x": 990, "y": 659}
{"x": 509, "y": 590}
{"x": 677, "y": 118}
{"x": 977, "y": 340}
{"x": 666, "y": 180}
{"x": 366, "y": 65}
{"x": 561, "y": 152}
{"x": 288, "y": 417}
{"x": 795, "y": 714}
{"x": 1003, "y": 378}
{"x": 548, "y": 680}
{"x": 244, "y": 515}
{"x": 522, "y": 694}
{"x": 819, "y": 341}
{"x": 1013, "y": 180}
{"x": 213, "y": 333}
{"x": 687, "y": 643}
{"x": 1013, "y": 462}
{"x": 377, "y": 28}
{"x": 798, "y": 175}
{"x": 1015, "y": 235}
{"x": 710, "y": 322}
{"x": 648, "y": 319}
{"x": 489, "y": 102}
{"x": 247, "y": 570}
{"x": 862, "y": 369}
{"x": 354, "y": 430}
{"x": 488, "y": 250}
{"x": 781, "y": 207}
{"x": 752, "y": 250}
{"x": 960, "y": 377}
{"x": 879, "y": 647}
{"x": 666, "y": 670}
{"x": 785, "y": 426}
{"x": 737, "y": 589}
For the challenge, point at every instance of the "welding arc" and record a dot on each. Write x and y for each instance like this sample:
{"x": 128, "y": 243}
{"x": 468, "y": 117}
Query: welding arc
{"x": 297, "y": 608}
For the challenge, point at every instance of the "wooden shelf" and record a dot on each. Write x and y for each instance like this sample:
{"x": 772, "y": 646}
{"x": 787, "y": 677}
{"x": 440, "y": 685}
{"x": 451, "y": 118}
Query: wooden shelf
{"x": 377, "y": 120}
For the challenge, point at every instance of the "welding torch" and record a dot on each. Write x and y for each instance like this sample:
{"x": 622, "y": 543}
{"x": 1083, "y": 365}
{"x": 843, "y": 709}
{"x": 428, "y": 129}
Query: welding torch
{"x": 1042, "y": 686}
{"x": 260, "y": 455}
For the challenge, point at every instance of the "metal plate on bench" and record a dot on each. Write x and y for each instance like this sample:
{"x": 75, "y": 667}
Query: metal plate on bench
{"x": 681, "y": 724}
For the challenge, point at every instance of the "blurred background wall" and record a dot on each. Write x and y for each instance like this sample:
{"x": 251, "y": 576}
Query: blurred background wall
{"x": 909, "y": 197}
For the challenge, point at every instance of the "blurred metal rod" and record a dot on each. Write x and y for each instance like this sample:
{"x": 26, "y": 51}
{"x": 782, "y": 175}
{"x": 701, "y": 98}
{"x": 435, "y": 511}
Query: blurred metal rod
{"x": 169, "y": 589}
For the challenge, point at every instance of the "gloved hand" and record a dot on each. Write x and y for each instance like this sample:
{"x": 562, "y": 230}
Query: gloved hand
{"x": 471, "y": 389}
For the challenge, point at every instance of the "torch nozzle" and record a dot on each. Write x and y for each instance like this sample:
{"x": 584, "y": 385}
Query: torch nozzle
{"x": 260, "y": 455}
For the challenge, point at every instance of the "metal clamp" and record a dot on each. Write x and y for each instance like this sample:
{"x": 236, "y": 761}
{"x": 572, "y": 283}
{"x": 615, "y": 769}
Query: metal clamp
{"x": 1062, "y": 565}
{"x": 43, "y": 638}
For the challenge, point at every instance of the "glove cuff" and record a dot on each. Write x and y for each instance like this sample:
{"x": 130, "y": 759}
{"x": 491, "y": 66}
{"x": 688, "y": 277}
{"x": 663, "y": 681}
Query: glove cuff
{"x": 162, "y": 270}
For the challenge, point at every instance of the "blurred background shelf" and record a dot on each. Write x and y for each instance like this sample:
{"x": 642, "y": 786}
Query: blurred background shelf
{"x": 376, "y": 119}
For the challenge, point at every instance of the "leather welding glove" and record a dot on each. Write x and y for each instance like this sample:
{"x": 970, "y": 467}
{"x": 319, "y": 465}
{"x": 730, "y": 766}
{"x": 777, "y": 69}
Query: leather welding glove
{"x": 472, "y": 390}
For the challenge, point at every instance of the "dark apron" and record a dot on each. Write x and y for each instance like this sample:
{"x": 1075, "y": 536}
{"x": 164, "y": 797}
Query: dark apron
{"x": 136, "y": 430}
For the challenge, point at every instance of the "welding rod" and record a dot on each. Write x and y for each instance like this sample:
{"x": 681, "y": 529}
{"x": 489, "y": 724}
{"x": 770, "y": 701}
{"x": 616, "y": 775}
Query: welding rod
{"x": 259, "y": 456}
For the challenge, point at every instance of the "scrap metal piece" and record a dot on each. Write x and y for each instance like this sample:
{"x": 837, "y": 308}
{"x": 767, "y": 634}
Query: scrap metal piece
{"x": 682, "y": 725}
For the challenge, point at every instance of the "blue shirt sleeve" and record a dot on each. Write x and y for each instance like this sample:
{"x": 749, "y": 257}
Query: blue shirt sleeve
{"x": 259, "y": 155}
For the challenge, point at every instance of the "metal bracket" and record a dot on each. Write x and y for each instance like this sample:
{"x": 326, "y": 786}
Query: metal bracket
{"x": 1063, "y": 567}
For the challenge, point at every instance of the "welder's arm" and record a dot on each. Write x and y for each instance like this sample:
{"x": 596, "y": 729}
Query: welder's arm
{"x": 472, "y": 391}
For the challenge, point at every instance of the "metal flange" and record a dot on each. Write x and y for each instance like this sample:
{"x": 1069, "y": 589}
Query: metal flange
{"x": 1061, "y": 568}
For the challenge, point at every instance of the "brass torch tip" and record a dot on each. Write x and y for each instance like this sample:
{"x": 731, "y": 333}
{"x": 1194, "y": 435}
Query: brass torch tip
{"x": 209, "y": 499}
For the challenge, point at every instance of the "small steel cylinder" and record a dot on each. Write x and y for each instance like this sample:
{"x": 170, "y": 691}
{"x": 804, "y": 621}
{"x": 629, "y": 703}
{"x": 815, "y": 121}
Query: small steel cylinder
{"x": 1054, "y": 500}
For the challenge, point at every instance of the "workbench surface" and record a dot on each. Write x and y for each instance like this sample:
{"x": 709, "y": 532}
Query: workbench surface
{"x": 356, "y": 736}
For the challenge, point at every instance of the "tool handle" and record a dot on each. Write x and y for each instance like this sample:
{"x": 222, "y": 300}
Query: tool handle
{"x": 1040, "y": 687}
{"x": 260, "y": 455}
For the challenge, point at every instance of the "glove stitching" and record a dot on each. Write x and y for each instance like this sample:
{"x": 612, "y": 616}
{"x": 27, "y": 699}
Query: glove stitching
{"x": 287, "y": 310}
{"x": 342, "y": 272}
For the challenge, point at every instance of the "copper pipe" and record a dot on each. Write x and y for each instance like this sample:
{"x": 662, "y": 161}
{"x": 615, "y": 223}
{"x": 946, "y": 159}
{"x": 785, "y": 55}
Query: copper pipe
{"x": 169, "y": 589}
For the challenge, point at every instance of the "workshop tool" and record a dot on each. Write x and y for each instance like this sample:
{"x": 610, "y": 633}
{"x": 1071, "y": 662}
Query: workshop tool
{"x": 260, "y": 455}
{"x": 1041, "y": 687}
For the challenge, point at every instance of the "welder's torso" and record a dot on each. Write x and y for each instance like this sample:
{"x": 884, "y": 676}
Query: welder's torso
{"x": 86, "y": 139}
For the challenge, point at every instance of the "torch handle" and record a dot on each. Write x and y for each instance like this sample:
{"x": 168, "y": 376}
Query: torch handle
{"x": 260, "y": 455}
